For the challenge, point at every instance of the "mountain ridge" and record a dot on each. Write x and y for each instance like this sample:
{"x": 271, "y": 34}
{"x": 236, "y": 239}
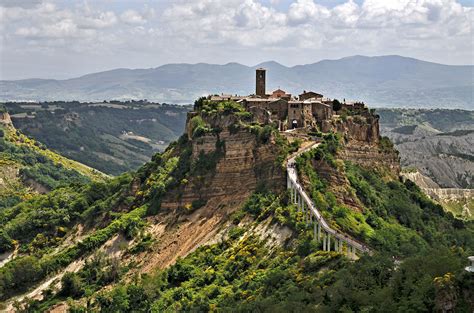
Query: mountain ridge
{"x": 385, "y": 81}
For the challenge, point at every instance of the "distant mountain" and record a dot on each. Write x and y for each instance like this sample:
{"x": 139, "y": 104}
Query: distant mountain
{"x": 379, "y": 81}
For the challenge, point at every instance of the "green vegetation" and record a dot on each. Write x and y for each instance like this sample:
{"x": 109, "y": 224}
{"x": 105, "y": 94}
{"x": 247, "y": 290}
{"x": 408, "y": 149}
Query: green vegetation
{"x": 242, "y": 274}
{"x": 199, "y": 127}
{"x": 336, "y": 105}
{"x": 325, "y": 152}
{"x": 112, "y": 137}
{"x": 223, "y": 107}
{"x": 396, "y": 217}
{"x": 386, "y": 145}
{"x": 404, "y": 219}
{"x": 417, "y": 265}
{"x": 40, "y": 225}
{"x": 26, "y": 163}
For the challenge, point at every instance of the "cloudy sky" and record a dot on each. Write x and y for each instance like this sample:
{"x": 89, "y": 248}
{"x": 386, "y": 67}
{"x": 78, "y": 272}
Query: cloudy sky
{"x": 63, "y": 39}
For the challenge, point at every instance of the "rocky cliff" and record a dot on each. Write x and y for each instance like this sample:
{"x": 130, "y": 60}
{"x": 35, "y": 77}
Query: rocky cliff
{"x": 5, "y": 118}
{"x": 241, "y": 164}
{"x": 195, "y": 213}
{"x": 363, "y": 144}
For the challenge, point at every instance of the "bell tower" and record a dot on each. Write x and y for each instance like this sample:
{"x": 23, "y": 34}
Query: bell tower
{"x": 260, "y": 82}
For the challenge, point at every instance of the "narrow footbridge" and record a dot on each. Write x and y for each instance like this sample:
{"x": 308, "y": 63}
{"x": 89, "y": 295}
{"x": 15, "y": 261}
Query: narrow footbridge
{"x": 331, "y": 239}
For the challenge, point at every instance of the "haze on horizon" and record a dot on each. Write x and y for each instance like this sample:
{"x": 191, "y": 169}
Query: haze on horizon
{"x": 64, "y": 39}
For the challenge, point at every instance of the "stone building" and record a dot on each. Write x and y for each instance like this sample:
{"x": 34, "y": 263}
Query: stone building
{"x": 277, "y": 107}
{"x": 280, "y": 94}
{"x": 321, "y": 111}
{"x": 300, "y": 114}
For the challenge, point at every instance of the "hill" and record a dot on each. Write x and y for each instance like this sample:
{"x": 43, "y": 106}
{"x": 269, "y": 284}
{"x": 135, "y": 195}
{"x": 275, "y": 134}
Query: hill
{"x": 381, "y": 81}
{"x": 28, "y": 167}
{"x": 112, "y": 137}
{"x": 210, "y": 225}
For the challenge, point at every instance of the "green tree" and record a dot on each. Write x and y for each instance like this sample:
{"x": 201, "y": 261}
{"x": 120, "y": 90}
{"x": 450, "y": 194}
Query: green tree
{"x": 72, "y": 285}
{"x": 336, "y": 105}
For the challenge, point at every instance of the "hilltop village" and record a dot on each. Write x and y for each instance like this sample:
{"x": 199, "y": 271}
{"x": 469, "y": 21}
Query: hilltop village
{"x": 308, "y": 109}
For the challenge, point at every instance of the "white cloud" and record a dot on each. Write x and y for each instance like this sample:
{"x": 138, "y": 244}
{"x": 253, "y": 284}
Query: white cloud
{"x": 132, "y": 17}
{"x": 247, "y": 31}
{"x": 103, "y": 20}
{"x": 306, "y": 11}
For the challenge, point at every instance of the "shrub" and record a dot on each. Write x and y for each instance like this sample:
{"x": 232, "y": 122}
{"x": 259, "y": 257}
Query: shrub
{"x": 71, "y": 285}
{"x": 6, "y": 242}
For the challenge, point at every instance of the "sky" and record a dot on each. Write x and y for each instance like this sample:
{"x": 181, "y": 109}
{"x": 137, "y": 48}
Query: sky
{"x": 65, "y": 38}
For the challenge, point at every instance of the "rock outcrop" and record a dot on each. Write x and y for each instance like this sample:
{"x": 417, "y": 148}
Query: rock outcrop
{"x": 355, "y": 128}
{"x": 362, "y": 143}
{"x": 243, "y": 163}
{"x": 5, "y": 118}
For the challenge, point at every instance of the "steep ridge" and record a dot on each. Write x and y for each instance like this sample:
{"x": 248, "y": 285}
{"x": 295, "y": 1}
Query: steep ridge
{"x": 239, "y": 160}
{"x": 28, "y": 167}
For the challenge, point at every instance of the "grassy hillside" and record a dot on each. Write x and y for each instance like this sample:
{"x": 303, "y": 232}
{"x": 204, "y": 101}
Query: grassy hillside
{"x": 28, "y": 167}
{"x": 112, "y": 137}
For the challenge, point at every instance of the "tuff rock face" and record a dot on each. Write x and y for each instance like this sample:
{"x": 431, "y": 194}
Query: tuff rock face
{"x": 371, "y": 156}
{"x": 5, "y": 118}
{"x": 355, "y": 128}
{"x": 362, "y": 143}
{"x": 459, "y": 201}
{"x": 243, "y": 164}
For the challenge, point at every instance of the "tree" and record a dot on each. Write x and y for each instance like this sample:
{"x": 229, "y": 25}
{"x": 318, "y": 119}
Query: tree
{"x": 72, "y": 285}
{"x": 336, "y": 105}
{"x": 199, "y": 103}
{"x": 6, "y": 242}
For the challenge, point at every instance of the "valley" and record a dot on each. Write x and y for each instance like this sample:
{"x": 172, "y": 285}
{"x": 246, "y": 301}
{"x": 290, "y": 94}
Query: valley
{"x": 112, "y": 137}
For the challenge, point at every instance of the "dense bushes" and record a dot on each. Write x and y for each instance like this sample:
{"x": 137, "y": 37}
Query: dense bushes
{"x": 40, "y": 168}
{"x": 199, "y": 127}
{"x": 403, "y": 218}
{"x": 398, "y": 218}
{"x": 222, "y": 107}
{"x": 243, "y": 275}
{"x": 33, "y": 269}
